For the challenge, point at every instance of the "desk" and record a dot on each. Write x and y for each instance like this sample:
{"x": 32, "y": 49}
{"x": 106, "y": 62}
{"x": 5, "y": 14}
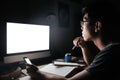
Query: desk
{"x": 57, "y": 71}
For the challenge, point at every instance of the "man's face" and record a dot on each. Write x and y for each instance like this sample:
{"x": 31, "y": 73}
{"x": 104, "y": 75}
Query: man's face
{"x": 86, "y": 28}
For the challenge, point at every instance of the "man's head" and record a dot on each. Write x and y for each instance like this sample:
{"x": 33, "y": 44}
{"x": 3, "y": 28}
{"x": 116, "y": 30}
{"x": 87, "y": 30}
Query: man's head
{"x": 100, "y": 19}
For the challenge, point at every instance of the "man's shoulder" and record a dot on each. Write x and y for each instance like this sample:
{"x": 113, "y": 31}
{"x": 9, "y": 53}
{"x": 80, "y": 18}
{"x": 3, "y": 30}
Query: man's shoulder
{"x": 112, "y": 47}
{"x": 115, "y": 47}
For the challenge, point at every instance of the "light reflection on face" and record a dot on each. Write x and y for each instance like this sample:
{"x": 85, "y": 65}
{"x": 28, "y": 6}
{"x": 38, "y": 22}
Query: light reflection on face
{"x": 86, "y": 28}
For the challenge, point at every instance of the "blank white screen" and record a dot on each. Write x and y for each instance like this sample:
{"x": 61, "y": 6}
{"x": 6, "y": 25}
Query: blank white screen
{"x": 27, "y": 37}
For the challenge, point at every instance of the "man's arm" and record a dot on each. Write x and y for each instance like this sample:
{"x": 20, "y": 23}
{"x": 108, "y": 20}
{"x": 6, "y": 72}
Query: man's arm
{"x": 79, "y": 42}
{"x": 34, "y": 72}
{"x": 83, "y": 75}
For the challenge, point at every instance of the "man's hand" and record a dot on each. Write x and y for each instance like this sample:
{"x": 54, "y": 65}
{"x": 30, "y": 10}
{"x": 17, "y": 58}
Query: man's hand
{"x": 34, "y": 72}
{"x": 79, "y": 42}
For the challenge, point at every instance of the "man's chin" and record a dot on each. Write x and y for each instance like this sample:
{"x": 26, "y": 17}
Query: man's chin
{"x": 86, "y": 39}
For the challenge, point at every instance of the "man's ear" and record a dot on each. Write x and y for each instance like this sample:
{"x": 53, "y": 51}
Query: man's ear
{"x": 98, "y": 26}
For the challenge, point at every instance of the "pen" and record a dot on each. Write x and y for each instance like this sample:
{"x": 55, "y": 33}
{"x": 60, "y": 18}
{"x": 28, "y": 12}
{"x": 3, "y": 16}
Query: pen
{"x": 73, "y": 47}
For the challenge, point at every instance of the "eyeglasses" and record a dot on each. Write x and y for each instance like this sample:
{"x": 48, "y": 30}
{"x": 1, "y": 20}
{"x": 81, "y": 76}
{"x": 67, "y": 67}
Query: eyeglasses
{"x": 82, "y": 22}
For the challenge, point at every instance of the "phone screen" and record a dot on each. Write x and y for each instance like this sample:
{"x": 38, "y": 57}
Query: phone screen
{"x": 27, "y": 60}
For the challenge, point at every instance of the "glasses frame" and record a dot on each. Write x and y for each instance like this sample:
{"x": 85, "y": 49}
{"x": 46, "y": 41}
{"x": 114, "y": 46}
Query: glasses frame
{"x": 82, "y": 22}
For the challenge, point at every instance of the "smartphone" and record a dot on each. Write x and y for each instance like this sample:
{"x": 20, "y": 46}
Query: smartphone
{"x": 27, "y": 60}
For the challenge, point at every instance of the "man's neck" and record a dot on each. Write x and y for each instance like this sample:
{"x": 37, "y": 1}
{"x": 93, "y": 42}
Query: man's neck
{"x": 100, "y": 44}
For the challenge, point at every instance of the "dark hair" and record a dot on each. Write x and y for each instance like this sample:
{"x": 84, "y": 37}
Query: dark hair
{"x": 105, "y": 12}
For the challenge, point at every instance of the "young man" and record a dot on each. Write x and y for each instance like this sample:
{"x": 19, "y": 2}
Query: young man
{"x": 98, "y": 25}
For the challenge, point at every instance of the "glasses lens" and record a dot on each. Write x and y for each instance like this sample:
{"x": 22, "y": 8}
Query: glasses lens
{"x": 82, "y": 22}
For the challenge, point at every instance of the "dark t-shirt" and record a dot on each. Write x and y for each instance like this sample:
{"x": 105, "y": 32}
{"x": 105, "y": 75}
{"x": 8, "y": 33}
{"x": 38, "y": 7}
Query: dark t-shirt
{"x": 106, "y": 65}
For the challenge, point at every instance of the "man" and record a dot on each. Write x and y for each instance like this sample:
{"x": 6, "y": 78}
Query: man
{"x": 98, "y": 25}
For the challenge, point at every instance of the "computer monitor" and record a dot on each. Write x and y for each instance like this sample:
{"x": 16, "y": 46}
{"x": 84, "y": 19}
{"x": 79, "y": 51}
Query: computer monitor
{"x": 24, "y": 38}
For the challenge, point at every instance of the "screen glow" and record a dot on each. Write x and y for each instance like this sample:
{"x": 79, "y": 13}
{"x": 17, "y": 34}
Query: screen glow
{"x": 27, "y": 37}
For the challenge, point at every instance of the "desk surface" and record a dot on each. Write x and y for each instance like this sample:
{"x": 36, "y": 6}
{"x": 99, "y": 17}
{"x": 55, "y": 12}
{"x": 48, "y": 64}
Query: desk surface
{"x": 50, "y": 69}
